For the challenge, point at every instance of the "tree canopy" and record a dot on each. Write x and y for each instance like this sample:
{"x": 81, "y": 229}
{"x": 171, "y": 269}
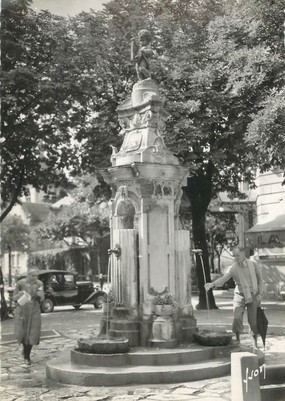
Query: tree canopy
{"x": 219, "y": 65}
{"x": 15, "y": 234}
{"x": 85, "y": 218}
{"x": 39, "y": 109}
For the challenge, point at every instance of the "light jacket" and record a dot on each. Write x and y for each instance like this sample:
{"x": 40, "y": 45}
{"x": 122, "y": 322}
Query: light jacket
{"x": 242, "y": 286}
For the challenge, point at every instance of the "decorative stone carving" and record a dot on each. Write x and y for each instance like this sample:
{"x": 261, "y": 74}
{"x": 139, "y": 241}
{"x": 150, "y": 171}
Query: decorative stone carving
{"x": 147, "y": 188}
{"x": 132, "y": 189}
{"x": 133, "y": 141}
{"x": 137, "y": 120}
{"x": 144, "y": 92}
{"x": 167, "y": 190}
{"x": 147, "y": 118}
{"x": 157, "y": 189}
{"x": 114, "y": 152}
{"x": 161, "y": 126}
{"x": 124, "y": 124}
{"x": 123, "y": 191}
{"x": 148, "y": 204}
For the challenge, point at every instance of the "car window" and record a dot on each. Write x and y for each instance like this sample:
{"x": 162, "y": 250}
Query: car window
{"x": 69, "y": 280}
{"x": 56, "y": 280}
{"x": 53, "y": 279}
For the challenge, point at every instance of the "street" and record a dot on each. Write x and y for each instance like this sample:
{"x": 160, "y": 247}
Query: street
{"x": 65, "y": 320}
{"x": 65, "y": 325}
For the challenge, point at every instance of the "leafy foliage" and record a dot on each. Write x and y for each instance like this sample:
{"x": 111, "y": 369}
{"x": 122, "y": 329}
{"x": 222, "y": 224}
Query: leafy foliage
{"x": 163, "y": 299}
{"x": 266, "y": 131}
{"x": 15, "y": 234}
{"x": 219, "y": 65}
{"x": 86, "y": 218}
{"x": 35, "y": 143}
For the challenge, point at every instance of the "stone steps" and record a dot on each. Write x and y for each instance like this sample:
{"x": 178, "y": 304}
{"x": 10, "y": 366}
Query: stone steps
{"x": 153, "y": 357}
{"x": 64, "y": 371}
{"x": 144, "y": 365}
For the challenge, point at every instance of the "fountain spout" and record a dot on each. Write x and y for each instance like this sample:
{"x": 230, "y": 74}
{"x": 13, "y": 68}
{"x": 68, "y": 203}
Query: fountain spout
{"x": 117, "y": 250}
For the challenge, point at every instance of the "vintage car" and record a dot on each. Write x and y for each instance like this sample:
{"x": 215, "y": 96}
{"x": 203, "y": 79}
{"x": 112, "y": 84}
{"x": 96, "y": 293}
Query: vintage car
{"x": 62, "y": 288}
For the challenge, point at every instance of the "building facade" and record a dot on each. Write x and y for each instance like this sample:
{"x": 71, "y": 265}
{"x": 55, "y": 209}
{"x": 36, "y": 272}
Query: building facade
{"x": 267, "y": 236}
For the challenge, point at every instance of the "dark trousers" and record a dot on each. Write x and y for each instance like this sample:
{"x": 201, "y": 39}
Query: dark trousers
{"x": 27, "y": 350}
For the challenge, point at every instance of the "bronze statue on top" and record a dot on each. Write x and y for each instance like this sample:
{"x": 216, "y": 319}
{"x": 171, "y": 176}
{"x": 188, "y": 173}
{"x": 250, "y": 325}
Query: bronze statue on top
{"x": 142, "y": 53}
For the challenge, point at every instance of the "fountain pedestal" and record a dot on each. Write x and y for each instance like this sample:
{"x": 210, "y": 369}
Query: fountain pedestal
{"x": 163, "y": 332}
{"x": 122, "y": 325}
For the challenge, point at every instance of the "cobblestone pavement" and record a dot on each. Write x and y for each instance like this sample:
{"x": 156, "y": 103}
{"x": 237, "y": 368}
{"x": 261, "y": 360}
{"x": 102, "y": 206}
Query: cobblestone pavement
{"x": 22, "y": 383}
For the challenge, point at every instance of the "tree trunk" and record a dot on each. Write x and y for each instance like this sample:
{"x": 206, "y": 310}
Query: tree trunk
{"x": 202, "y": 262}
{"x": 15, "y": 196}
{"x": 198, "y": 191}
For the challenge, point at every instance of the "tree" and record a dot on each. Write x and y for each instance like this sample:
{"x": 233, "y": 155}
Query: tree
{"x": 86, "y": 218}
{"x": 218, "y": 63}
{"x": 35, "y": 110}
{"x": 214, "y": 96}
{"x": 266, "y": 131}
{"x": 15, "y": 236}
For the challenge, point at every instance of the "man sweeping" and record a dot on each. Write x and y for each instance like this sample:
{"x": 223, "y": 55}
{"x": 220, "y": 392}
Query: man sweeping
{"x": 247, "y": 294}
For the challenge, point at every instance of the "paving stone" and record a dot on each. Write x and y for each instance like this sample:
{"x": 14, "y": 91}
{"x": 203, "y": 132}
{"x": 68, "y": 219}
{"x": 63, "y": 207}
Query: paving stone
{"x": 8, "y": 397}
{"x": 208, "y": 393}
{"x": 178, "y": 397}
{"x": 183, "y": 391}
{"x": 213, "y": 398}
{"x": 102, "y": 393}
{"x": 18, "y": 369}
{"x": 71, "y": 398}
{"x": 166, "y": 397}
{"x": 128, "y": 397}
{"x": 193, "y": 385}
{"x": 4, "y": 349}
{"x": 5, "y": 376}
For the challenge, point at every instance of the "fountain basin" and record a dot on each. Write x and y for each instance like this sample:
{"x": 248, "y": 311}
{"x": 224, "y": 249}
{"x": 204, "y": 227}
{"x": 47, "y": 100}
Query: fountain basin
{"x": 103, "y": 345}
{"x": 212, "y": 338}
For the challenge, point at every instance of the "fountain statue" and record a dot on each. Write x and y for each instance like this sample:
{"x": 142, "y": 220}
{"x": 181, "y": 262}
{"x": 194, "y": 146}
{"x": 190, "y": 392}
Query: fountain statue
{"x": 142, "y": 54}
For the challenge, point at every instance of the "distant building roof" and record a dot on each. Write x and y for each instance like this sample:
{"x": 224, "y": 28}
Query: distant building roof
{"x": 66, "y": 201}
{"x": 52, "y": 251}
{"x": 36, "y": 212}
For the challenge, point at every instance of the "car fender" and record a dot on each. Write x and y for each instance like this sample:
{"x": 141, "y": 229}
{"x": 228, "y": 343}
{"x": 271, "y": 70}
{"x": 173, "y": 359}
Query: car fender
{"x": 49, "y": 294}
{"x": 91, "y": 298}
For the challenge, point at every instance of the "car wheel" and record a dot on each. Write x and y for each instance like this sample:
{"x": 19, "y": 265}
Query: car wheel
{"x": 99, "y": 302}
{"x": 76, "y": 307}
{"x": 47, "y": 305}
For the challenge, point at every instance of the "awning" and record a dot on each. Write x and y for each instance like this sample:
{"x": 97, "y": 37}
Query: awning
{"x": 277, "y": 224}
{"x": 269, "y": 234}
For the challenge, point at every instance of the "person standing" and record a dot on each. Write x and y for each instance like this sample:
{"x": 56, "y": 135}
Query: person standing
{"x": 101, "y": 281}
{"x": 247, "y": 294}
{"x": 28, "y": 295}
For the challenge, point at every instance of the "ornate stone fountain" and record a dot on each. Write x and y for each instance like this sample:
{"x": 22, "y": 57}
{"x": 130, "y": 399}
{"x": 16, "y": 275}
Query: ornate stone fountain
{"x": 149, "y": 258}
{"x": 155, "y": 253}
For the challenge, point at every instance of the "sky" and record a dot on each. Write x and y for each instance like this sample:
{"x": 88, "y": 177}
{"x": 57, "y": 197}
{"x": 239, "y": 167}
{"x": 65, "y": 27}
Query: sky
{"x": 68, "y": 7}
